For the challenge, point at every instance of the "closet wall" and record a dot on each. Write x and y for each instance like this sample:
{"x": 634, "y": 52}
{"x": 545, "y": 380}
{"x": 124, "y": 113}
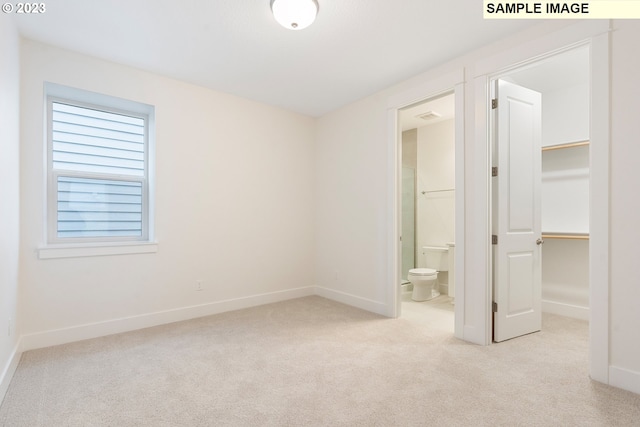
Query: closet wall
{"x": 565, "y": 201}
{"x": 564, "y": 84}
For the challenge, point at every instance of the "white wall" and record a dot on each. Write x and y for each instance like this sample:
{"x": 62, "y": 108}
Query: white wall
{"x": 410, "y": 148}
{"x": 565, "y": 278}
{"x": 565, "y": 111}
{"x": 351, "y": 212}
{"x": 234, "y": 207}
{"x": 565, "y": 190}
{"x": 9, "y": 196}
{"x": 625, "y": 202}
{"x": 436, "y": 172}
{"x": 565, "y": 193}
{"x": 565, "y": 209}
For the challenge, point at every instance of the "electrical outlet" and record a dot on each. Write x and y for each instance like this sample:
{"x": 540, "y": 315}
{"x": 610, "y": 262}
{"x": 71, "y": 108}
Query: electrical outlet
{"x": 198, "y": 285}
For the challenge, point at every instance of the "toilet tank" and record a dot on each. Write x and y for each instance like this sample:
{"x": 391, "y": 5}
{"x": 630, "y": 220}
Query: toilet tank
{"x": 436, "y": 257}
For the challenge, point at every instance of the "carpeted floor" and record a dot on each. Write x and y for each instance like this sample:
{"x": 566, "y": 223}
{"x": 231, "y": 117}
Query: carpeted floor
{"x": 315, "y": 362}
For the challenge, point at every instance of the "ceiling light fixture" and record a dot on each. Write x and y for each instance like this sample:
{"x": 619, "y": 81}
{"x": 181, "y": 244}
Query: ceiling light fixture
{"x": 294, "y": 14}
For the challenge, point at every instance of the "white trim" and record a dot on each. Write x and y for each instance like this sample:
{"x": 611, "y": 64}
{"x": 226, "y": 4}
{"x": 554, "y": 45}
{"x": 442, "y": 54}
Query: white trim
{"x": 96, "y": 249}
{"x": 478, "y": 291}
{"x": 599, "y": 208}
{"x": 7, "y": 373}
{"x": 567, "y": 310}
{"x": 132, "y": 323}
{"x": 88, "y": 97}
{"x": 624, "y": 379}
{"x": 428, "y": 89}
{"x": 459, "y": 222}
{"x": 394, "y": 256}
{"x": 353, "y": 300}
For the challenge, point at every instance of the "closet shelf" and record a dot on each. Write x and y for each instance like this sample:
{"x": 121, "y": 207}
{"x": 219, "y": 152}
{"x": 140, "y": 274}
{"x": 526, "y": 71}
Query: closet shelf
{"x": 567, "y": 145}
{"x": 566, "y": 236}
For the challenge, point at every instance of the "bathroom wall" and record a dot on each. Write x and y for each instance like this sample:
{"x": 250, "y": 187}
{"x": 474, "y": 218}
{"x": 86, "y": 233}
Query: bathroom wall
{"x": 436, "y": 184}
{"x": 410, "y": 148}
{"x": 435, "y": 222}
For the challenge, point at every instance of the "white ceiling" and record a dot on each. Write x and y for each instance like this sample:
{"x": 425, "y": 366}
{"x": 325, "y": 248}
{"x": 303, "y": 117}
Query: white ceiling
{"x": 354, "y": 49}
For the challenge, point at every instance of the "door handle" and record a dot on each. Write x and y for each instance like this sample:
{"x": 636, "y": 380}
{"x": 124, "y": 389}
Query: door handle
{"x": 539, "y": 242}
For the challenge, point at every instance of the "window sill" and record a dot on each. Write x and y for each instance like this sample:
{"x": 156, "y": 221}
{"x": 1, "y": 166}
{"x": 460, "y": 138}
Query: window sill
{"x": 97, "y": 249}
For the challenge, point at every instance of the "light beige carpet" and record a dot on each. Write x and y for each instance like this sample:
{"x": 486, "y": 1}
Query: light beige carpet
{"x": 314, "y": 362}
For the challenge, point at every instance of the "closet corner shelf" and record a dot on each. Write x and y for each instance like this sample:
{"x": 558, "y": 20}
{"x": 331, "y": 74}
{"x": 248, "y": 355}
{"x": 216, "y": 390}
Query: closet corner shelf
{"x": 566, "y": 236}
{"x": 567, "y": 145}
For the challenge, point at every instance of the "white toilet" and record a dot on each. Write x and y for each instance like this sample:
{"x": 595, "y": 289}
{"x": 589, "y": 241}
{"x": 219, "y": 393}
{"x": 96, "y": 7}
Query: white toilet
{"x": 425, "y": 280}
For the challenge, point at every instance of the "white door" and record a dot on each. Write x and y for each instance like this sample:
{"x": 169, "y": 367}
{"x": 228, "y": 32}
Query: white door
{"x": 516, "y": 221}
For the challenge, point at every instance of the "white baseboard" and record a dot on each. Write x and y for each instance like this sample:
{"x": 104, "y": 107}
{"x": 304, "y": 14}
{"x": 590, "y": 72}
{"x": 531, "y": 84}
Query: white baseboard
{"x": 624, "y": 379}
{"x": 353, "y": 300}
{"x": 7, "y": 373}
{"x": 567, "y": 310}
{"x": 115, "y": 326}
{"x": 126, "y": 324}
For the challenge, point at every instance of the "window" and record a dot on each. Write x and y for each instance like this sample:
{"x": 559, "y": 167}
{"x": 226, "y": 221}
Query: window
{"x": 98, "y": 168}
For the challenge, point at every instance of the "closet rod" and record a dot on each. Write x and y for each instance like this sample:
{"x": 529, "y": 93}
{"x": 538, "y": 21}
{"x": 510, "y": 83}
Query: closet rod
{"x": 568, "y": 145}
{"x": 566, "y": 236}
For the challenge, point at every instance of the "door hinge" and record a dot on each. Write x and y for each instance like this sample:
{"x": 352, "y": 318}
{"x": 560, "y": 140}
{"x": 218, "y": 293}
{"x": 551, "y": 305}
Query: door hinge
{"x": 494, "y": 171}
{"x": 494, "y": 307}
{"x": 494, "y": 104}
{"x": 494, "y": 239}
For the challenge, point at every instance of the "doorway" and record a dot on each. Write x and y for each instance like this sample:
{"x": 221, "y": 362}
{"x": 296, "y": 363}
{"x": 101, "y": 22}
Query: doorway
{"x": 555, "y": 276}
{"x": 428, "y": 194}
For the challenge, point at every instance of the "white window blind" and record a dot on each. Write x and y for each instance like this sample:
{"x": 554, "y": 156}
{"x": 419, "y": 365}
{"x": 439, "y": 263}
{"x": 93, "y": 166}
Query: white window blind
{"x": 98, "y": 173}
{"x": 98, "y": 207}
{"x": 97, "y": 141}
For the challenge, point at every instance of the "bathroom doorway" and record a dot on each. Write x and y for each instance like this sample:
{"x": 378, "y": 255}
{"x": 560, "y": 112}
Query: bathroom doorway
{"x": 427, "y": 211}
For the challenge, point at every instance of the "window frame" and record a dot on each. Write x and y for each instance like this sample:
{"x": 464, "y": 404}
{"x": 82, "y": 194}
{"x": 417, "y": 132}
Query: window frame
{"x": 83, "y": 99}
